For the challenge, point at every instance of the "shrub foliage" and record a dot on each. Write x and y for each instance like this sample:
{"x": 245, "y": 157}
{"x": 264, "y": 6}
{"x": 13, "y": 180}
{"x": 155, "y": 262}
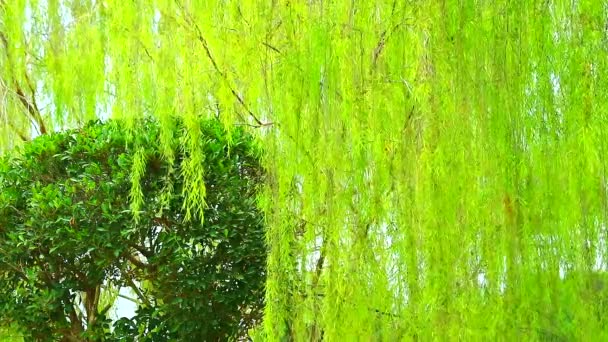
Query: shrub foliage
{"x": 68, "y": 236}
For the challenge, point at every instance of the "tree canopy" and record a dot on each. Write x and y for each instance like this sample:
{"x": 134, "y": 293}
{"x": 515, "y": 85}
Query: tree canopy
{"x": 68, "y": 236}
{"x": 434, "y": 167}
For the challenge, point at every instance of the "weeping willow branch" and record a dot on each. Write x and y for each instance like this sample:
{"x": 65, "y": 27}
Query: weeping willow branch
{"x": 30, "y": 105}
{"x": 375, "y": 310}
{"x": 135, "y": 288}
{"x": 17, "y": 131}
{"x": 271, "y": 47}
{"x": 203, "y": 41}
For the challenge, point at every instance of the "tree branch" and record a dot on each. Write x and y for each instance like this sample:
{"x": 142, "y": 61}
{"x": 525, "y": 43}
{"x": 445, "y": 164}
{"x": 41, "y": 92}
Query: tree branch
{"x": 76, "y": 325}
{"x": 203, "y": 41}
{"x": 136, "y": 261}
{"x": 91, "y": 304}
{"x": 17, "y": 131}
{"x": 143, "y": 251}
{"x": 30, "y": 105}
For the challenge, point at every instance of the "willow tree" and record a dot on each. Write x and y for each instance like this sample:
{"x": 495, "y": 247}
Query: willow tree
{"x": 436, "y": 167}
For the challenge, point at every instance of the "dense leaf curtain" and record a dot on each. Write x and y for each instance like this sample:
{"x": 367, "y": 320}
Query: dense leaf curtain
{"x": 437, "y": 168}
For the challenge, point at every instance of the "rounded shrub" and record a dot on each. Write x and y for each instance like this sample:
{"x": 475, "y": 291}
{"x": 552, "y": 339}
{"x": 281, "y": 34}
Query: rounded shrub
{"x": 68, "y": 236}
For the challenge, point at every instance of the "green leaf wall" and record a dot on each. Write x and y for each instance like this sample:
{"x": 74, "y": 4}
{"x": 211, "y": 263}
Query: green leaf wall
{"x": 437, "y": 168}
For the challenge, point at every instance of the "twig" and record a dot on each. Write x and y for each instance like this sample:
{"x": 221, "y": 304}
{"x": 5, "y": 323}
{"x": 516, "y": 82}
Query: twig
{"x": 377, "y": 311}
{"x": 137, "y": 262}
{"x": 271, "y": 47}
{"x": 384, "y": 36}
{"x": 256, "y": 126}
{"x": 22, "y": 136}
{"x": 31, "y": 108}
{"x": 203, "y": 41}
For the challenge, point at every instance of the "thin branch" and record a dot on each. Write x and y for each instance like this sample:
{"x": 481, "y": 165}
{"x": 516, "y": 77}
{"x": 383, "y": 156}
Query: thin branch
{"x": 4, "y": 40}
{"x": 19, "y": 272}
{"x": 379, "y": 47}
{"x": 271, "y": 47}
{"x": 319, "y": 267}
{"x": 127, "y": 298}
{"x": 255, "y": 126}
{"x": 17, "y": 131}
{"x": 31, "y": 108}
{"x": 377, "y": 311}
{"x": 33, "y": 92}
{"x": 203, "y": 41}
{"x": 146, "y": 50}
{"x": 30, "y": 105}
{"x": 384, "y": 36}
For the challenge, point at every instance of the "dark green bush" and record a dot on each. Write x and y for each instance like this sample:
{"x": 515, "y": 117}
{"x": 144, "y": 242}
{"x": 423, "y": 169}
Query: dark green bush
{"x": 66, "y": 232}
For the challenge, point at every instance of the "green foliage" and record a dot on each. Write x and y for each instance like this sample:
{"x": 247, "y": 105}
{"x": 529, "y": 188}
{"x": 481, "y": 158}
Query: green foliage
{"x": 67, "y": 231}
{"x": 10, "y": 334}
{"x": 434, "y": 167}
